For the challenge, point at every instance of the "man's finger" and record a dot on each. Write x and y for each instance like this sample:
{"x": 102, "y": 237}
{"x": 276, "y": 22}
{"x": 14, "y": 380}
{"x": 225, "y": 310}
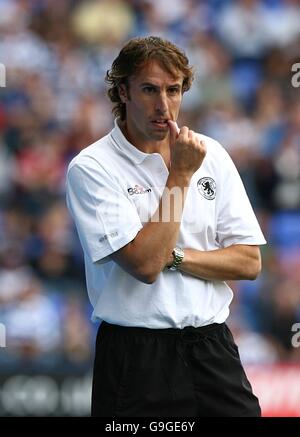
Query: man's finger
{"x": 174, "y": 130}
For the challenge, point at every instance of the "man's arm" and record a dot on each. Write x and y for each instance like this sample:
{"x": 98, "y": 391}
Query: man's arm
{"x": 146, "y": 256}
{"x": 231, "y": 263}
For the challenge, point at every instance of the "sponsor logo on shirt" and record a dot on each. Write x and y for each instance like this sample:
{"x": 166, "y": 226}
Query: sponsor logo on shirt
{"x": 207, "y": 187}
{"x": 138, "y": 189}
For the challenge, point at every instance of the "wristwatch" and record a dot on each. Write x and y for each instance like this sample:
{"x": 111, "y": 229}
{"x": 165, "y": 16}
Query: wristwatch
{"x": 178, "y": 255}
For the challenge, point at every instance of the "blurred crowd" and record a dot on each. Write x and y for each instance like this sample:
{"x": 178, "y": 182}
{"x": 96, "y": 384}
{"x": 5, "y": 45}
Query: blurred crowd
{"x": 56, "y": 53}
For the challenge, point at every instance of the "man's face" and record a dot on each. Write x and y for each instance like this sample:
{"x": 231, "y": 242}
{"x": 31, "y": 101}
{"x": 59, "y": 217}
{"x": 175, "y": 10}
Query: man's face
{"x": 154, "y": 96}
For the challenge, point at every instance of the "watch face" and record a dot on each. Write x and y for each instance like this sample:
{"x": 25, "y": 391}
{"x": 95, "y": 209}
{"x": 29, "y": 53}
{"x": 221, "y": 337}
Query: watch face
{"x": 178, "y": 252}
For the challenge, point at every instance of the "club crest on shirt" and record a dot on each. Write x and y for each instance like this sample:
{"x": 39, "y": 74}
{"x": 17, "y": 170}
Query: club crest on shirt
{"x": 207, "y": 187}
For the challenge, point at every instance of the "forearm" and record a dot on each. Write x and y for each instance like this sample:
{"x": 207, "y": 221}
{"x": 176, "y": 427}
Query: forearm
{"x": 146, "y": 256}
{"x": 232, "y": 263}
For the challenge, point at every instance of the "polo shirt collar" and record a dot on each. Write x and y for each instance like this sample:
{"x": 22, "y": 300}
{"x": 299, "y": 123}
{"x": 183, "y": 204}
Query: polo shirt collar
{"x": 136, "y": 155}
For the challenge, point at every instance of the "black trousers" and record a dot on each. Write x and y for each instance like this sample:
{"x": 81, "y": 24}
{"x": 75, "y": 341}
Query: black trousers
{"x": 193, "y": 372}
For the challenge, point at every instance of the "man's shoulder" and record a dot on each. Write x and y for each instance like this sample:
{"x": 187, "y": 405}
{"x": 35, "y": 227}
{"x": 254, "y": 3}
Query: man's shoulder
{"x": 213, "y": 146}
{"x": 94, "y": 154}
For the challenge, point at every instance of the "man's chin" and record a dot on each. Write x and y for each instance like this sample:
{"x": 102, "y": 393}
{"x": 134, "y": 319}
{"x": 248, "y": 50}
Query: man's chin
{"x": 159, "y": 135}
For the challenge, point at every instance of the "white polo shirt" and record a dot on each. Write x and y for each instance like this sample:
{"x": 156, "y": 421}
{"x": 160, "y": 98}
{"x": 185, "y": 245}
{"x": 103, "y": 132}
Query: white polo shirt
{"x": 113, "y": 189}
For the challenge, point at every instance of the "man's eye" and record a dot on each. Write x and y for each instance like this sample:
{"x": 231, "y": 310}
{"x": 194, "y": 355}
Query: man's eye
{"x": 173, "y": 91}
{"x": 149, "y": 89}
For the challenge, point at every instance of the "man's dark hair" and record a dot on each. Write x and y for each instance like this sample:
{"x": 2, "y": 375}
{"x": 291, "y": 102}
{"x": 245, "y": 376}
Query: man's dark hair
{"x": 134, "y": 55}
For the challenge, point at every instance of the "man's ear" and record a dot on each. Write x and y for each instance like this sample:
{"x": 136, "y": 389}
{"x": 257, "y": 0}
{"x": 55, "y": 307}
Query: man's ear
{"x": 123, "y": 93}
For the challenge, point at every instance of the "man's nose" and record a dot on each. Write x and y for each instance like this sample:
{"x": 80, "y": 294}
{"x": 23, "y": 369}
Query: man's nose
{"x": 162, "y": 103}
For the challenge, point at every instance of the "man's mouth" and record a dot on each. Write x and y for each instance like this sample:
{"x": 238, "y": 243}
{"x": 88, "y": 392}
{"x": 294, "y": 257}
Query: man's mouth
{"x": 160, "y": 122}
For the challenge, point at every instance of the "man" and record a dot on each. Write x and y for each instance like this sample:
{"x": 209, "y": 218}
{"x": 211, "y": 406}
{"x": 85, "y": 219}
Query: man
{"x": 163, "y": 220}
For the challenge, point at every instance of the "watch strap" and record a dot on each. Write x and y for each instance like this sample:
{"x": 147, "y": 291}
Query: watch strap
{"x": 178, "y": 255}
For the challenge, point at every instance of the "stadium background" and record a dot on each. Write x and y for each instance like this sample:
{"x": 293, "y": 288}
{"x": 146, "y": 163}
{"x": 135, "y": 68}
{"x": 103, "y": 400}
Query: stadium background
{"x": 56, "y": 53}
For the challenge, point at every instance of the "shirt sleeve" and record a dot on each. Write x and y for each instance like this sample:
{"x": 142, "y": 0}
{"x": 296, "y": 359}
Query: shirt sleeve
{"x": 105, "y": 218}
{"x": 236, "y": 222}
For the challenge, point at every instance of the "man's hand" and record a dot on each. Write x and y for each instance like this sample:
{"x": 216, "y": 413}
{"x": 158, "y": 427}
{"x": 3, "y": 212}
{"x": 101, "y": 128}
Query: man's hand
{"x": 187, "y": 151}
